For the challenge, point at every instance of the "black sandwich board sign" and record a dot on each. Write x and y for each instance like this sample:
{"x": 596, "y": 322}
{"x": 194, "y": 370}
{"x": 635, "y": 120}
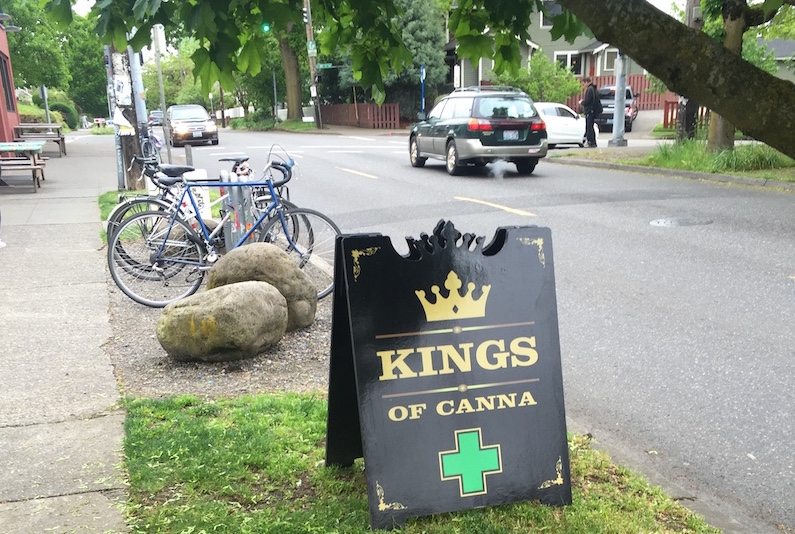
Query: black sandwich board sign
{"x": 445, "y": 372}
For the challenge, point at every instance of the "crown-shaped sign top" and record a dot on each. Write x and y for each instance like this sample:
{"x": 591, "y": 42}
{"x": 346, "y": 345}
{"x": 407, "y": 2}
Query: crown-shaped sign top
{"x": 454, "y": 306}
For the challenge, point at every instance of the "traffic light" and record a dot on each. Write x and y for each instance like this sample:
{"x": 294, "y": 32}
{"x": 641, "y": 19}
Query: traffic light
{"x": 265, "y": 27}
{"x": 305, "y": 11}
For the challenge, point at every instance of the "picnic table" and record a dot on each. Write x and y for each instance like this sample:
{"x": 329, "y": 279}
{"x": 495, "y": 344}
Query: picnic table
{"x": 41, "y": 131}
{"x": 26, "y": 157}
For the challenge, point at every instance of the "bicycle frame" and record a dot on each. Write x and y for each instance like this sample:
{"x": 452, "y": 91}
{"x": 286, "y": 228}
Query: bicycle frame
{"x": 206, "y": 234}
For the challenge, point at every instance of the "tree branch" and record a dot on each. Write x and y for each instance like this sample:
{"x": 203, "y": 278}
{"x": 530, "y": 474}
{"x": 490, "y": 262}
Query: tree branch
{"x": 692, "y": 64}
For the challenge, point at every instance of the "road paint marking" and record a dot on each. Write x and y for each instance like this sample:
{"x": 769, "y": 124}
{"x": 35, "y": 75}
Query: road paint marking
{"x": 345, "y": 151}
{"x": 357, "y": 172}
{"x": 359, "y": 138}
{"x": 367, "y": 147}
{"x": 269, "y": 147}
{"x": 792, "y": 277}
{"x": 497, "y": 206}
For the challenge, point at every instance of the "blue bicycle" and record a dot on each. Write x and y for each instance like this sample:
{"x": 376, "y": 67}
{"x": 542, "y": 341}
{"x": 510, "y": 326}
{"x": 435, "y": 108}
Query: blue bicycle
{"x": 157, "y": 257}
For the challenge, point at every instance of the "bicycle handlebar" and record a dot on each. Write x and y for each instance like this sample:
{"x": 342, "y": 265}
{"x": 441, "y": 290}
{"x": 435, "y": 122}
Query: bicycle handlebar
{"x": 284, "y": 167}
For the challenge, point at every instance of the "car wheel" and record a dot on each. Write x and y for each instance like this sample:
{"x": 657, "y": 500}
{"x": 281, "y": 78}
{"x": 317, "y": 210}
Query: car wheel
{"x": 526, "y": 166}
{"x": 451, "y": 161}
{"x": 414, "y": 154}
{"x": 553, "y": 145}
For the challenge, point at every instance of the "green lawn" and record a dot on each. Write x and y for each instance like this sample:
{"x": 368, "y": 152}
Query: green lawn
{"x": 255, "y": 464}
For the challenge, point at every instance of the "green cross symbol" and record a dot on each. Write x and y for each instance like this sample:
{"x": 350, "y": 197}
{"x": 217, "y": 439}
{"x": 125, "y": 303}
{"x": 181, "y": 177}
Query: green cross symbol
{"x": 470, "y": 462}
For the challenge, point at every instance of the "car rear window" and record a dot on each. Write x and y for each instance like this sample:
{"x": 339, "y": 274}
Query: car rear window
{"x": 611, "y": 93}
{"x": 190, "y": 113}
{"x": 503, "y": 107}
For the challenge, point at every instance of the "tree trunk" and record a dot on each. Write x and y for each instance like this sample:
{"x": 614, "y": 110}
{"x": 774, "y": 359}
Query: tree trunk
{"x": 692, "y": 64}
{"x": 721, "y": 131}
{"x": 292, "y": 79}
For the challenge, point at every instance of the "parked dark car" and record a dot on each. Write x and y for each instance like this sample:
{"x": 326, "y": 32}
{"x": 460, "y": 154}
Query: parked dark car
{"x": 190, "y": 123}
{"x": 607, "y": 95}
{"x": 155, "y": 117}
{"x": 478, "y": 125}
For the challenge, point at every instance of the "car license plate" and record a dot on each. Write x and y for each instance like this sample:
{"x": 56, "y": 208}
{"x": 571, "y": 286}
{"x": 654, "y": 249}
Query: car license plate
{"x": 510, "y": 135}
{"x": 197, "y": 134}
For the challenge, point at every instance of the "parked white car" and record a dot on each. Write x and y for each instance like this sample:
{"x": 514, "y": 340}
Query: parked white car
{"x": 564, "y": 125}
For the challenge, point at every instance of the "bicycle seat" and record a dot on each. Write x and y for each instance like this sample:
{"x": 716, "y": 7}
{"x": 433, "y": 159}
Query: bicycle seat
{"x": 236, "y": 159}
{"x": 174, "y": 170}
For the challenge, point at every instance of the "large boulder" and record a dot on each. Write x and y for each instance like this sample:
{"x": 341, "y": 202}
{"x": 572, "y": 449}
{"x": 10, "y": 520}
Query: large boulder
{"x": 232, "y": 322}
{"x": 268, "y": 263}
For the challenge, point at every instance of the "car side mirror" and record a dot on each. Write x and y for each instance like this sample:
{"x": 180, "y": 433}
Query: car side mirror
{"x": 421, "y": 116}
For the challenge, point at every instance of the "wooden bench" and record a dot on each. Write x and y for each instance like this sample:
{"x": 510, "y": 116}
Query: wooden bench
{"x": 55, "y": 137}
{"x": 13, "y": 164}
{"x": 41, "y": 132}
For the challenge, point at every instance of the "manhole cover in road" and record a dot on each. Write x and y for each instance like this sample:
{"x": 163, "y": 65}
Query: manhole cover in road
{"x": 679, "y": 221}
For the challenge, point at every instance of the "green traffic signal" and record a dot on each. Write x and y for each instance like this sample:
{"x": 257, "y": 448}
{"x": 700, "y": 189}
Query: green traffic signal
{"x": 265, "y": 27}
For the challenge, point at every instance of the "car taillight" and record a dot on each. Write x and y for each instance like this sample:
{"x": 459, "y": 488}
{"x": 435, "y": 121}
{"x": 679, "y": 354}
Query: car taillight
{"x": 478, "y": 125}
{"x": 538, "y": 126}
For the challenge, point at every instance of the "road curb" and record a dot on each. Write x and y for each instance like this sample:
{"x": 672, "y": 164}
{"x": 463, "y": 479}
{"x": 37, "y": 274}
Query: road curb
{"x": 723, "y": 178}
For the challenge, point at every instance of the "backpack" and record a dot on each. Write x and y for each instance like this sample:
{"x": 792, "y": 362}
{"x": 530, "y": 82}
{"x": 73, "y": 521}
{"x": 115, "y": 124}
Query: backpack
{"x": 597, "y": 103}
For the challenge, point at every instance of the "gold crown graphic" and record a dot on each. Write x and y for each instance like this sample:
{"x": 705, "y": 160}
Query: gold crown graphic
{"x": 454, "y": 306}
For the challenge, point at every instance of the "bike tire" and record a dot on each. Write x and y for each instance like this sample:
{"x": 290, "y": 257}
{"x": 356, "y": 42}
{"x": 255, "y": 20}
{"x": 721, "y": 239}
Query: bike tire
{"x": 155, "y": 262}
{"x": 149, "y": 150}
{"x": 130, "y": 207}
{"x": 310, "y": 238}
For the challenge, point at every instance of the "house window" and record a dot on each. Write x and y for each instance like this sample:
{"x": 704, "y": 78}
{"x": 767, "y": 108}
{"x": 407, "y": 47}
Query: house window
{"x": 551, "y": 9}
{"x": 610, "y": 59}
{"x": 8, "y": 90}
{"x": 570, "y": 60}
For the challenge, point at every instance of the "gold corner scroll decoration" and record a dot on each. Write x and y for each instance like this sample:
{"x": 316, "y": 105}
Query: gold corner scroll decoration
{"x": 558, "y": 481}
{"x": 383, "y": 506}
{"x": 539, "y": 244}
{"x": 356, "y": 254}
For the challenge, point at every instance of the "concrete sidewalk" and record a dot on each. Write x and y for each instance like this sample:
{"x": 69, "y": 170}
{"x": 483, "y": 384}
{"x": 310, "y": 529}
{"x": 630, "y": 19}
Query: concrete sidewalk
{"x": 60, "y": 427}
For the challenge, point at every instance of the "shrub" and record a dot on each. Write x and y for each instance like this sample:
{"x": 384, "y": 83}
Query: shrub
{"x": 28, "y": 113}
{"x": 69, "y": 113}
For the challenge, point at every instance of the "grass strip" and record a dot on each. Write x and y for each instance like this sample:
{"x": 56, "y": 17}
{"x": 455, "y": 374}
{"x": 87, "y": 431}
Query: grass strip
{"x": 255, "y": 464}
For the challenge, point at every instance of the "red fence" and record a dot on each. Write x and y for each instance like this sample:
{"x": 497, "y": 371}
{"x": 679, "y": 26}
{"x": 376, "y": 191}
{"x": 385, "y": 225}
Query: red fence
{"x": 671, "y": 110}
{"x": 385, "y": 116}
{"x": 639, "y": 83}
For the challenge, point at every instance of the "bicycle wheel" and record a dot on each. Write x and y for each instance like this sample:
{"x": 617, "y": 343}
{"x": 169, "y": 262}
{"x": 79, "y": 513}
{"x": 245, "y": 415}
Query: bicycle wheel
{"x": 149, "y": 150}
{"x": 308, "y": 236}
{"x": 131, "y": 207}
{"x": 155, "y": 262}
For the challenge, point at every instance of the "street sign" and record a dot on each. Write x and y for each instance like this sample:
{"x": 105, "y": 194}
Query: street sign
{"x": 311, "y": 49}
{"x": 445, "y": 372}
{"x": 422, "y": 73}
{"x": 324, "y": 65}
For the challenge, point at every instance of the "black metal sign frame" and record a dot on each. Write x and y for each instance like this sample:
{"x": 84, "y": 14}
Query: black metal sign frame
{"x": 445, "y": 372}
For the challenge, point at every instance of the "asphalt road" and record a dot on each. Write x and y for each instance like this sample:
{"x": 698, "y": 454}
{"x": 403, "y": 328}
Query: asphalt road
{"x": 677, "y": 337}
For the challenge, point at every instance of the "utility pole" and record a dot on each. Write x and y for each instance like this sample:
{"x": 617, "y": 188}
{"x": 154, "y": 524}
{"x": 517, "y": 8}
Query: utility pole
{"x": 111, "y": 107}
{"x": 619, "y": 111}
{"x": 688, "y": 108}
{"x": 311, "y": 49}
{"x": 159, "y": 39}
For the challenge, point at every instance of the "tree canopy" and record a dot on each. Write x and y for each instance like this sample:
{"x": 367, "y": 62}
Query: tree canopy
{"x": 36, "y": 48}
{"x": 685, "y": 59}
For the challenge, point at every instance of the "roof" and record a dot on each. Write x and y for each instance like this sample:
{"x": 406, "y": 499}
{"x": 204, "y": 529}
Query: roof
{"x": 595, "y": 46}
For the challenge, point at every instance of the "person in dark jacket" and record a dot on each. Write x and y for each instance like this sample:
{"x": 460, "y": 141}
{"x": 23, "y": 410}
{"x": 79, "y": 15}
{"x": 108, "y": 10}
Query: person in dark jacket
{"x": 590, "y": 103}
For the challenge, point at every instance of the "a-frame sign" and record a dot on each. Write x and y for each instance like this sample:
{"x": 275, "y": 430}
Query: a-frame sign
{"x": 445, "y": 372}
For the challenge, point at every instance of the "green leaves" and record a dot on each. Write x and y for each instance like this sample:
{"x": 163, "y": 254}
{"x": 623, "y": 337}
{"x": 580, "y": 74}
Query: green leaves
{"x": 249, "y": 60}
